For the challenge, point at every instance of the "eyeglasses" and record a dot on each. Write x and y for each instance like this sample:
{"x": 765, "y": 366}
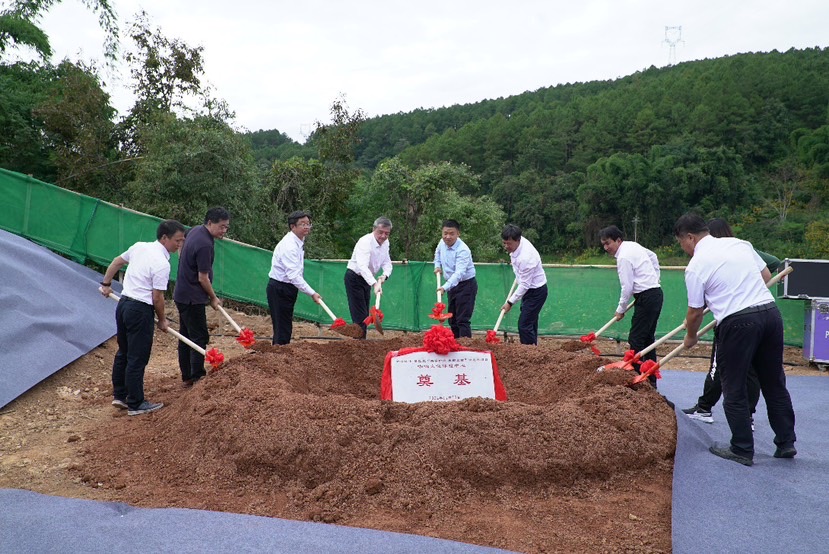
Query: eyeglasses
{"x": 305, "y": 225}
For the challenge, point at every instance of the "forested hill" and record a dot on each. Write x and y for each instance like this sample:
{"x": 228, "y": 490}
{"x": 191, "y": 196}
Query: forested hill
{"x": 742, "y": 137}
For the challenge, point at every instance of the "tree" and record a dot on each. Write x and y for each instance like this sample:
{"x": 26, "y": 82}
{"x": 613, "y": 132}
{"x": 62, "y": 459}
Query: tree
{"x": 190, "y": 165}
{"x": 79, "y": 132}
{"x": 18, "y": 26}
{"x": 417, "y": 201}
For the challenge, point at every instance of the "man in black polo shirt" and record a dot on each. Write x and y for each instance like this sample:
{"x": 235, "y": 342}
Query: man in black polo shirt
{"x": 194, "y": 290}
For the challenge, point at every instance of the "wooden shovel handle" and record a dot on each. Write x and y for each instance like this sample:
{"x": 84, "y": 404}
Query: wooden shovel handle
{"x": 229, "y": 319}
{"x": 377, "y": 301}
{"x": 612, "y": 321}
{"x": 171, "y": 331}
{"x": 665, "y": 359}
{"x": 440, "y": 295}
{"x": 770, "y": 283}
{"x": 501, "y": 315}
{"x": 327, "y": 310}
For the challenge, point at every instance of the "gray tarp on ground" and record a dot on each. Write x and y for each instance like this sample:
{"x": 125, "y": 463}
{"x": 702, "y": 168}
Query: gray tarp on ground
{"x": 775, "y": 505}
{"x": 51, "y": 314}
{"x": 31, "y": 522}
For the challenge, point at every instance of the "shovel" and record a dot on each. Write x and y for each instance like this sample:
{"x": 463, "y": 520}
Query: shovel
{"x": 375, "y": 316}
{"x": 649, "y": 367}
{"x": 437, "y": 311}
{"x": 245, "y": 337}
{"x": 589, "y": 339}
{"x": 631, "y": 358}
{"x": 213, "y": 356}
{"x": 340, "y": 326}
{"x": 492, "y": 336}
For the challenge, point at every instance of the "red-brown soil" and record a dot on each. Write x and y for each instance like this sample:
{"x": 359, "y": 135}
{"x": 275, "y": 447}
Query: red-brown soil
{"x": 575, "y": 461}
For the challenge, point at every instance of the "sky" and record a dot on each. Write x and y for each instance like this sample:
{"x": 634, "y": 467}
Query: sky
{"x": 280, "y": 65}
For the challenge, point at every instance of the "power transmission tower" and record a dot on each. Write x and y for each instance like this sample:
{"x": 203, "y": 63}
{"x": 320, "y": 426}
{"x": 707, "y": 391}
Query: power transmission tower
{"x": 673, "y": 36}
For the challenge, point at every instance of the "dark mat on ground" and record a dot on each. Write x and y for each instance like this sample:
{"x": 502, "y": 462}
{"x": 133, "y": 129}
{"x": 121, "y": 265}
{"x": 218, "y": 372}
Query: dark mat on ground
{"x": 777, "y": 505}
{"x": 51, "y": 315}
{"x": 32, "y": 522}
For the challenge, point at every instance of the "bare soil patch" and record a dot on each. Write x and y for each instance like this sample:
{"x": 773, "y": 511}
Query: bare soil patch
{"x": 575, "y": 461}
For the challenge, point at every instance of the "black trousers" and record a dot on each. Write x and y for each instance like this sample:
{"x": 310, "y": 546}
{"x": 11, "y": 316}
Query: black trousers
{"x": 712, "y": 388}
{"x": 754, "y": 339}
{"x": 461, "y": 305}
{"x": 192, "y": 325}
{"x": 531, "y": 305}
{"x": 135, "y": 324}
{"x": 358, "y": 293}
{"x": 281, "y": 301}
{"x": 646, "y": 312}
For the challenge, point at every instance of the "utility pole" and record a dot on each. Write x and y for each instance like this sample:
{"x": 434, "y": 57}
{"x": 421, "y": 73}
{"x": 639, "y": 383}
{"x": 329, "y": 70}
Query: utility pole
{"x": 673, "y": 36}
{"x": 635, "y": 228}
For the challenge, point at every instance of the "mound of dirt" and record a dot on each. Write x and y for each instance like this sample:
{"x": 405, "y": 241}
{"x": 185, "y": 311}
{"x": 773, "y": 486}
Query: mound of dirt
{"x": 575, "y": 461}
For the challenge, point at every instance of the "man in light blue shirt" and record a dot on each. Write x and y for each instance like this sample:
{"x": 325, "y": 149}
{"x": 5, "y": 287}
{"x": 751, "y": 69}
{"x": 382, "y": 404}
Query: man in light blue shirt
{"x": 454, "y": 259}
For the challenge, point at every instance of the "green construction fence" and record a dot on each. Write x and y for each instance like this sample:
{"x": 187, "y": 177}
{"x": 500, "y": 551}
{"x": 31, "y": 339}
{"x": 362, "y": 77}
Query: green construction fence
{"x": 581, "y": 298}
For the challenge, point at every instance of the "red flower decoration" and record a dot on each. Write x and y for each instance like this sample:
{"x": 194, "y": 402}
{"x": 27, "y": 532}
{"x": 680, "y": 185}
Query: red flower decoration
{"x": 214, "y": 357}
{"x": 588, "y": 340}
{"x": 246, "y": 338}
{"x": 374, "y": 314}
{"x": 437, "y": 312}
{"x": 492, "y": 337}
{"x": 339, "y": 322}
{"x": 648, "y": 368}
{"x": 627, "y": 362}
{"x": 440, "y": 339}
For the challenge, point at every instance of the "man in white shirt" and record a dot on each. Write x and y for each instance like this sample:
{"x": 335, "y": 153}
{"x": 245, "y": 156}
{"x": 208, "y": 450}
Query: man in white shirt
{"x": 285, "y": 280}
{"x": 145, "y": 283}
{"x": 728, "y": 276}
{"x": 639, "y": 273}
{"x": 532, "y": 282}
{"x": 370, "y": 255}
{"x": 454, "y": 259}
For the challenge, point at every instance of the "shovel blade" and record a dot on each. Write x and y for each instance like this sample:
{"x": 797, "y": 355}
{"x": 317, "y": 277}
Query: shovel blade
{"x": 352, "y": 330}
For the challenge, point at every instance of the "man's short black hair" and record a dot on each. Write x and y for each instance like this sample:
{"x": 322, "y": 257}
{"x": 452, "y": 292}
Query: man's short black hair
{"x": 217, "y": 214}
{"x": 169, "y": 228}
{"x": 451, "y": 223}
{"x": 690, "y": 223}
{"x": 511, "y": 232}
{"x": 296, "y": 216}
{"x": 611, "y": 232}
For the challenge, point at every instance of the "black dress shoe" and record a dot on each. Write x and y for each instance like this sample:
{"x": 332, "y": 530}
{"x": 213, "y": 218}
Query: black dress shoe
{"x": 726, "y": 453}
{"x": 785, "y": 452}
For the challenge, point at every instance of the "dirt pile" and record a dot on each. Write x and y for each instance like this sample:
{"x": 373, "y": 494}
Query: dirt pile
{"x": 575, "y": 461}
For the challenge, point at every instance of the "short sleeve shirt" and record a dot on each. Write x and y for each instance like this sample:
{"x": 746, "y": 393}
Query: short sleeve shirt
{"x": 196, "y": 257}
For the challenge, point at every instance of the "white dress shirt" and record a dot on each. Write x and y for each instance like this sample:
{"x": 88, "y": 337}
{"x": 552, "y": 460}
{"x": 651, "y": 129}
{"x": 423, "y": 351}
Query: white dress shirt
{"x": 526, "y": 263}
{"x": 724, "y": 274}
{"x": 369, "y": 257}
{"x": 148, "y": 270}
{"x": 456, "y": 263}
{"x": 287, "y": 264}
{"x": 638, "y": 270}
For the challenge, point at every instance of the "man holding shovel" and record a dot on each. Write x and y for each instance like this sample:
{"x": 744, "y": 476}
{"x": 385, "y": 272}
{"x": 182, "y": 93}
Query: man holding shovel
{"x": 532, "y": 282}
{"x": 194, "y": 290}
{"x": 454, "y": 259}
{"x": 286, "y": 277}
{"x": 639, "y": 273}
{"x": 727, "y": 275}
{"x": 371, "y": 253}
{"x": 145, "y": 283}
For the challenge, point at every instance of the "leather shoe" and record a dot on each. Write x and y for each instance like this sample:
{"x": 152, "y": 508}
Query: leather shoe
{"x": 726, "y": 453}
{"x": 785, "y": 452}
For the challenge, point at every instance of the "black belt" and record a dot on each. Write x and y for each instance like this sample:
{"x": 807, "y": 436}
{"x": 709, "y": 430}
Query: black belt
{"x": 754, "y": 309}
{"x": 129, "y": 299}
